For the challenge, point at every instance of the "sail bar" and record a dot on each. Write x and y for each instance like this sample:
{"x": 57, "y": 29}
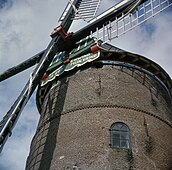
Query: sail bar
{"x": 65, "y": 11}
{"x": 128, "y": 21}
{"x": 87, "y": 9}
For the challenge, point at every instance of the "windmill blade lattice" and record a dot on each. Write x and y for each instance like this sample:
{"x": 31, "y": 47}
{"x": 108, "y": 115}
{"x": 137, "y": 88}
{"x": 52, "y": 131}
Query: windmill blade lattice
{"x": 87, "y": 9}
{"x": 136, "y": 15}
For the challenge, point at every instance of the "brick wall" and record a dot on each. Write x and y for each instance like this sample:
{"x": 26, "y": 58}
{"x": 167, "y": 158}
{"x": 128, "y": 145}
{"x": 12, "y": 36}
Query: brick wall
{"x": 77, "y": 112}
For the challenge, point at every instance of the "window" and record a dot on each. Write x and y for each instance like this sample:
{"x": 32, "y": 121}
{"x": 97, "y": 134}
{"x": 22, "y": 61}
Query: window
{"x": 119, "y": 135}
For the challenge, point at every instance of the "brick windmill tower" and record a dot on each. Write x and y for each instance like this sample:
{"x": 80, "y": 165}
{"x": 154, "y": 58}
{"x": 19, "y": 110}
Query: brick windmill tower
{"x": 101, "y": 108}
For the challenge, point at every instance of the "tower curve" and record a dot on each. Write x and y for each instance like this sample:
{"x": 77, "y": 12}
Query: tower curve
{"x": 106, "y": 110}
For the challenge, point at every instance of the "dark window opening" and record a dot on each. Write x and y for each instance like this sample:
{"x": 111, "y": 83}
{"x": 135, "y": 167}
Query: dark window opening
{"x": 120, "y": 135}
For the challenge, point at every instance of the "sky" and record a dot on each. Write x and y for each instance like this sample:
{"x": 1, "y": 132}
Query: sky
{"x": 25, "y": 26}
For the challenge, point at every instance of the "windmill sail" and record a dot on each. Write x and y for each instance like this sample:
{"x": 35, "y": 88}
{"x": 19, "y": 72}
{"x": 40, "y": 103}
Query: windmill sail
{"x": 121, "y": 18}
{"x": 83, "y": 10}
{"x": 136, "y": 15}
{"x": 87, "y": 9}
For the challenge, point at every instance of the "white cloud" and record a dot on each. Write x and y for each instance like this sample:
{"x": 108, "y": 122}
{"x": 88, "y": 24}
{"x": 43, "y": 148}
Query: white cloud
{"x": 24, "y": 30}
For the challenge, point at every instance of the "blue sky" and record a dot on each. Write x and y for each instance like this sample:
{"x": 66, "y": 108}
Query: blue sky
{"x": 25, "y": 26}
{"x": 2, "y": 3}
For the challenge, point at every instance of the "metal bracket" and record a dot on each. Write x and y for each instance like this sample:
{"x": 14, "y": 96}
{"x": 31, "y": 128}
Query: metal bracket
{"x": 59, "y": 31}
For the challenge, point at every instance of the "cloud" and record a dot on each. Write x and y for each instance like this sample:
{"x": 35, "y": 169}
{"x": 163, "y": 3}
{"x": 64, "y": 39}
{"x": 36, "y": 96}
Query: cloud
{"x": 25, "y": 26}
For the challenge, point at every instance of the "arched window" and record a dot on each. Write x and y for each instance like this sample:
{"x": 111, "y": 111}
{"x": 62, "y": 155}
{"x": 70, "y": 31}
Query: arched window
{"x": 119, "y": 135}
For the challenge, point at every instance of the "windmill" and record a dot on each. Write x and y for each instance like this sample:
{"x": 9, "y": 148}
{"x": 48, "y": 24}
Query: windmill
{"x": 121, "y": 18}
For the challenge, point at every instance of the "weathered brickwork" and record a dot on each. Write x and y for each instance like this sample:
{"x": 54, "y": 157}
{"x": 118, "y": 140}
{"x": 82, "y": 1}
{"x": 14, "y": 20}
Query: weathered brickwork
{"x": 78, "y": 111}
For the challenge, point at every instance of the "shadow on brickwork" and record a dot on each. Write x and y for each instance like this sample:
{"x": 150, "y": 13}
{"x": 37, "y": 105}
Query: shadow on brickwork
{"x": 50, "y": 143}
